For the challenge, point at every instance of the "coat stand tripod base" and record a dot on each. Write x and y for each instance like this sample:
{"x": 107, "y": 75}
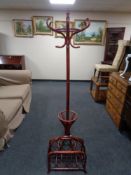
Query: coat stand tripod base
{"x": 67, "y": 152}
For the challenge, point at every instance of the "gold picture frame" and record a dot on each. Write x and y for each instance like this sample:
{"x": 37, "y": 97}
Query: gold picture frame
{"x": 40, "y": 26}
{"x": 23, "y": 28}
{"x": 62, "y": 24}
{"x": 93, "y": 35}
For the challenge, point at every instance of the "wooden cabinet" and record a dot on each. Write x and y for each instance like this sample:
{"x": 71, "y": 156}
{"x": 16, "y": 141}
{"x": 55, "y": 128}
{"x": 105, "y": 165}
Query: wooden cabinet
{"x": 117, "y": 93}
{"x": 12, "y": 62}
{"x": 112, "y": 36}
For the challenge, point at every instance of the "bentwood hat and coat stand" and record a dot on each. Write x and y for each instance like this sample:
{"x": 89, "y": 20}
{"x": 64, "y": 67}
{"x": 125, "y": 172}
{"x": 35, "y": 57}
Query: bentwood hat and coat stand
{"x": 67, "y": 152}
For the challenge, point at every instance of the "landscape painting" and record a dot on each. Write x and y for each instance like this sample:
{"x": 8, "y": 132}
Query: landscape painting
{"x": 94, "y": 34}
{"x": 61, "y": 24}
{"x": 40, "y": 26}
{"x": 23, "y": 28}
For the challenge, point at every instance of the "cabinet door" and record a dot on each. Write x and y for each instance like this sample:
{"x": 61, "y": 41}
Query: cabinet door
{"x": 112, "y": 37}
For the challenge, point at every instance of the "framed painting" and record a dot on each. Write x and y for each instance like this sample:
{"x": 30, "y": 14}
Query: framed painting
{"x": 39, "y": 25}
{"x": 94, "y": 34}
{"x": 23, "y": 28}
{"x": 61, "y": 24}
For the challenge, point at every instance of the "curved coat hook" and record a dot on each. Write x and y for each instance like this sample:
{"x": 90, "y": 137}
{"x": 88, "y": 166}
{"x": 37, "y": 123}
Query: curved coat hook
{"x": 63, "y": 31}
{"x": 60, "y": 31}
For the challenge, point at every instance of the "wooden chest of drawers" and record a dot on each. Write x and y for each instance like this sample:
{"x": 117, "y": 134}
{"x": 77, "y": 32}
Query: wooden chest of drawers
{"x": 12, "y": 62}
{"x": 116, "y": 97}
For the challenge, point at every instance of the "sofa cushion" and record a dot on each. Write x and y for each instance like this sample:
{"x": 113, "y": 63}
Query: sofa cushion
{"x": 14, "y": 91}
{"x": 10, "y": 107}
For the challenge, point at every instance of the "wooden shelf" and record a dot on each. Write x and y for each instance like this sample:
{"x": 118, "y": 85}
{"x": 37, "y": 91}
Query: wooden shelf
{"x": 98, "y": 89}
{"x": 103, "y": 82}
{"x": 113, "y": 34}
{"x": 101, "y": 96}
{"x": 12, "y": 62}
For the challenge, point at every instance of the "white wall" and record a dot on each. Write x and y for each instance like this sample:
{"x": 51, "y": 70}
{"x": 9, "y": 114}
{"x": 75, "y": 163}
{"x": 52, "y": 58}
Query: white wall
{"x": 42, "y": 58}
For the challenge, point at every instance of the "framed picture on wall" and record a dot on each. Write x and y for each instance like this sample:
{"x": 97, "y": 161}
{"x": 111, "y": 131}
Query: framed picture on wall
{"x": 61, "y": 24}
{"x": 23, "y": 28}
{"x": 40, "y": 26}
{"x": 94, "y": 34}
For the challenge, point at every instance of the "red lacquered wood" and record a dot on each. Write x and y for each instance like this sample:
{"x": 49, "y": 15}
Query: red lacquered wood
{"x": 67, "y": 147}
{"x": 68, "y": 43}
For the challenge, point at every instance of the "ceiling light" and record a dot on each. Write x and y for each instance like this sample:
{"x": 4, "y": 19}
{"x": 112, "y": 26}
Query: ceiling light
{"x": 62, "y": 1}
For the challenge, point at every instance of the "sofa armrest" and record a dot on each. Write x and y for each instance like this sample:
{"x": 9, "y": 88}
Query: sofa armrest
{"x": 10, "y": 77}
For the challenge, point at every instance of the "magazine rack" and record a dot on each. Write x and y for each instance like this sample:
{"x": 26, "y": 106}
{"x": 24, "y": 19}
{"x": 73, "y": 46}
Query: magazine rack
{"x": 67, "y": 152}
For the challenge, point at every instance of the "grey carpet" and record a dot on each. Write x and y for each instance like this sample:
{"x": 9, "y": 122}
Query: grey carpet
{"x": 109, "y": 152}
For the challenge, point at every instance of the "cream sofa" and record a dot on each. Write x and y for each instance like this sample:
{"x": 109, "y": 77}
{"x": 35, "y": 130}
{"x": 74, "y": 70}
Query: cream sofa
{"x": 15, "y": 99}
